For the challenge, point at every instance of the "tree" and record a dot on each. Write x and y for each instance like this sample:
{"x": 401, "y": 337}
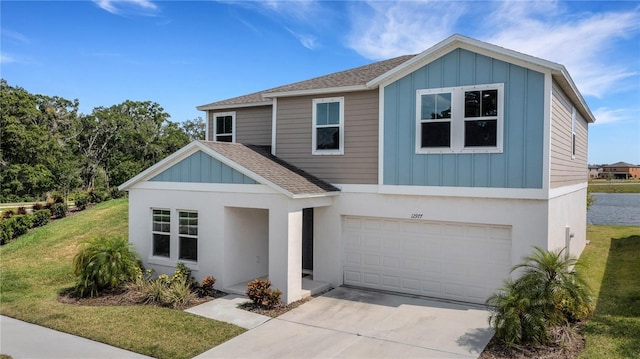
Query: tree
{"x": 195, "y": 129}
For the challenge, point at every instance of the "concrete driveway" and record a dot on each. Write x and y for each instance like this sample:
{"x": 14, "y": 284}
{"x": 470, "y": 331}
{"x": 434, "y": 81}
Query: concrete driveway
{"x": 355, "y": 323}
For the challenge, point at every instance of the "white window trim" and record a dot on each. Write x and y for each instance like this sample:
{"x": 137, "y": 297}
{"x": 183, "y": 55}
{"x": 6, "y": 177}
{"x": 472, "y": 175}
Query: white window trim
{"x": 233, "y": 125}
{"x": 457, "y": 120}
{"x": 340, "y": 150}
{"x": 178, "y": 235}
{"x": 573, "y": 134}
{"x": 162, "y": 233}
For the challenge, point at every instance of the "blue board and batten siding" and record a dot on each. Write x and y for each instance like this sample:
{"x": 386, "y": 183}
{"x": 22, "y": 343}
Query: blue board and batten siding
{"x": 202, "y": 168}
{"x": 518, "y": 166}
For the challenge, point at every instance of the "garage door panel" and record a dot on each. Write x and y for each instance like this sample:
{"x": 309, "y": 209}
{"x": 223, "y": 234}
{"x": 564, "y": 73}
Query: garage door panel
{"x": 447, "y": 260}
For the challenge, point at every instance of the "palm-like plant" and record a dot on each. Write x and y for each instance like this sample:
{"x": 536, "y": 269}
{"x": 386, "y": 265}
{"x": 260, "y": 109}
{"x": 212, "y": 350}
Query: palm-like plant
{"x": 104, "y": 263}
{"x": 548, "y": 293}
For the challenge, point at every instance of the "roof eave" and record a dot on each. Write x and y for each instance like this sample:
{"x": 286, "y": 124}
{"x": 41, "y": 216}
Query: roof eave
{"x": 231, "y": 105}
{"x": 567, "y": 84}
{"x": 317, "y": 91}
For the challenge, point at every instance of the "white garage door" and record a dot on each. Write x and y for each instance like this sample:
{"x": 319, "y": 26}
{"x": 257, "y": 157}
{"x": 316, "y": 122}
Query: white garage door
{"x": 457, "y": 261}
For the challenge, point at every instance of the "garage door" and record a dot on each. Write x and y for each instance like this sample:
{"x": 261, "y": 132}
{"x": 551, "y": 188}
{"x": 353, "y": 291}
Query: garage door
{"x": 459, "y": 261}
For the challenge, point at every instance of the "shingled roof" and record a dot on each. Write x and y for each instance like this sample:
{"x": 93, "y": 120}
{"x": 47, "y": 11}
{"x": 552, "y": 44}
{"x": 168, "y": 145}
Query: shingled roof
{"x": 282, "y": 174}
{"x": 358, "y": 76}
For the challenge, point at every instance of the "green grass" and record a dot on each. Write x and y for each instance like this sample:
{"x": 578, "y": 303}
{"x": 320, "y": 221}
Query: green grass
{"x": 34, "y": 268}
{"x": 613, "y": 187}
{"x": 613, "y": 271}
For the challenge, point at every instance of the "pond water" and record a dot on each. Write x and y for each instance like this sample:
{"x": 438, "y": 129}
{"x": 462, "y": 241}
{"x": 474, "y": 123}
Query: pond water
{"x": 615, "y": 209}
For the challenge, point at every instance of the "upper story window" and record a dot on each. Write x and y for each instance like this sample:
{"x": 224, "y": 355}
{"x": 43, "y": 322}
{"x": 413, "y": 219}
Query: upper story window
{"x": 460, "y": 119}
{"x": 224, "y": 124}
{"x": 328, "y": 126}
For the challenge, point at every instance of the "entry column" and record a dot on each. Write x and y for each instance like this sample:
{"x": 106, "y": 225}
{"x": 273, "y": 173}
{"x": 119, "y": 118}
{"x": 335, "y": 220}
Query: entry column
{"x": 285, "y": 253}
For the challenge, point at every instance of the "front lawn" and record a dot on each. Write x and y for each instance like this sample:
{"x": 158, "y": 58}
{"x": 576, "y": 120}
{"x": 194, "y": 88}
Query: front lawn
{"x": 613, "y": 272}
{"x": 35, "y": 267}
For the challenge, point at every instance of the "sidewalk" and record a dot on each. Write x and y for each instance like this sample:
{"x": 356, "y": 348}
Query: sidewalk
{"x": 24, "y": 340}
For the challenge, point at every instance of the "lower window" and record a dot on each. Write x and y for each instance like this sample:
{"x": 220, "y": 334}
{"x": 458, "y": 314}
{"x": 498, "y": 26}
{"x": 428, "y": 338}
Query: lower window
{"x": 188, "y": 235}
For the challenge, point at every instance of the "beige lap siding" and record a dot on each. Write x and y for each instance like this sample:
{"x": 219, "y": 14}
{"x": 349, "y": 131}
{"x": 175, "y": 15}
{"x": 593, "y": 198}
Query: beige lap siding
{"x": 565, "y": 170}
{"x": 358, "y": 165}
{"x": 253, "y": 125}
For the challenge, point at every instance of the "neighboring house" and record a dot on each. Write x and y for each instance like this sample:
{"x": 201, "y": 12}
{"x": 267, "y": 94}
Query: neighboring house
{"x": 429, "y": 174}
{"x": 595, "y": 172}
{"x": 620, "y": 170}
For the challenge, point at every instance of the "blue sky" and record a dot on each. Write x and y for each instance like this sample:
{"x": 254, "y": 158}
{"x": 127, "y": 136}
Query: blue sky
{"x": 183, "y": 54}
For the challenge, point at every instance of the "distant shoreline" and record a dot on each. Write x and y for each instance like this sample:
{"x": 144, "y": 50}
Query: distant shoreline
{"x": 614, "y": 187}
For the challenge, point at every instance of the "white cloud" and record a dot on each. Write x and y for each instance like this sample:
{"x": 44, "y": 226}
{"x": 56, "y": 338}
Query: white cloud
{"x": 307, "y": 40}
{"x": 6, "y": 59}
{"x": 117, "y": 7}
{"x": 383, "y": 30}
{"x": 606, "y": 115}
{"x": 582, "y": 42}
{"x": 15, "y": 36}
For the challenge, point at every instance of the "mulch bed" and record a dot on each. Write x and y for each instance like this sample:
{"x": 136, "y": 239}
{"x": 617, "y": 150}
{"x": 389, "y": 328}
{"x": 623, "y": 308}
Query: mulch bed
{"x": 571, "y": 350}
{"x": 121, "y": 296}
{"x": 274, "y": 312}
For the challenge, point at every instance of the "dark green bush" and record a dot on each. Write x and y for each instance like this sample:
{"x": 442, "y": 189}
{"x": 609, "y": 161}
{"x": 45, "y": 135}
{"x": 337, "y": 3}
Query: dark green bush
{"x": 21, "y": 224}
{"x": 548, "y": 294}
{"x": 115, "y": 193}
{"x": 57, "y": 197}
{"x": 81, "y": 201}
{"x": 97, "y": 196}
{"x": 6, "y": 231}
{"x": 41, "y": 217}
{"x": 7, "y": 213}
{"x": 104, "y": 263}
{"x": 258, "y": 290}
{"x": 37, "y": 206}
{"x": 59, "y": 210}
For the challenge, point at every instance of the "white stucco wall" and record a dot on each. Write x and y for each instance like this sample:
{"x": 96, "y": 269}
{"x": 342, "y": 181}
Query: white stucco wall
{"x": 528, "y": 220}
{"x": 238, "y": 225}
{"x": 247, "y": 246}
{"x": 569, "y": 210}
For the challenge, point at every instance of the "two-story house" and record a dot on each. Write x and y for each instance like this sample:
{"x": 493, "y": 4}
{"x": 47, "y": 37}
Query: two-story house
{"x": 428, "y": 174}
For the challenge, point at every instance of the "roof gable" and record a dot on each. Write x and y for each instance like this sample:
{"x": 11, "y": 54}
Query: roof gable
{"x": 201, "y": 168}
{"x": 383, "y": 72}
{"x": 233, "y": 163}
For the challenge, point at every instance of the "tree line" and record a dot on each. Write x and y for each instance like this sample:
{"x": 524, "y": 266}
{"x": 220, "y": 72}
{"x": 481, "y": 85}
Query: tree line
{"x": 48, "y": 146}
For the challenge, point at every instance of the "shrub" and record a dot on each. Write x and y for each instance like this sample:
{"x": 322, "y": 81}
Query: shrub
{"x": 81, "y": 201}
{"x": 6, "y": 231}
{"x": 104, "y": 263}
{"x": 549, "y": 294}
{"x": 41, "y": 217}
{"x": 57, "y": 197}
{"x": 21, "y": 224}
{"x": 207, "y": 285}
{"x": 259, "y": 292}
{"x": 182, "y": 272}
{"x": 37, "y": 206}
{"x": 115, "y": 193}
{"x": 175, "y": 291}
{"x": 97, "y": 196}
{"x": 22, "y": 210}
{"x": 59, "y": 210}
{"x": 7, "y": 213}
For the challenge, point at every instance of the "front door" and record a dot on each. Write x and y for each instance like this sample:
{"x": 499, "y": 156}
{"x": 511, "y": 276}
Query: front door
{"x": 307, "y": 240}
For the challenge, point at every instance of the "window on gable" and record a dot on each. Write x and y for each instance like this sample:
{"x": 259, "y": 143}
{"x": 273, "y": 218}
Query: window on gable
{"x": 161, "y": 230}
{"x": 459, "y": 119}
{"x": 223, "y": 126}
{"x": 328, "y": 126}
{"x": 188, "y": 235}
